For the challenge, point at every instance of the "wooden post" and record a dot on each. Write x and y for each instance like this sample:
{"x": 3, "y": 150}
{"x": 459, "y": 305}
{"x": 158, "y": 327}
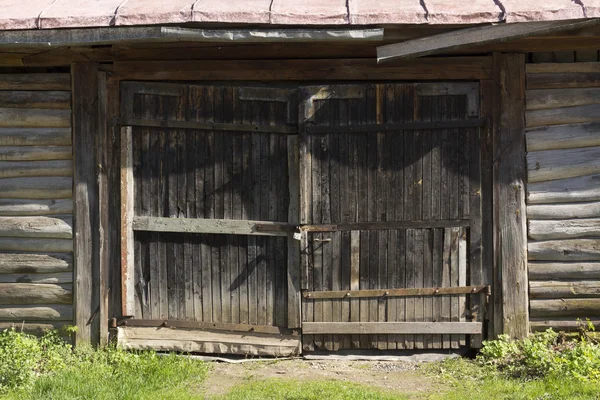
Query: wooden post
{"x": 510, "y": 175}
{"x": 127, "y": 202}
{"x": 293, "y": 264}
{"x": 84, "y": 89}
{"x": 103, "y": 227}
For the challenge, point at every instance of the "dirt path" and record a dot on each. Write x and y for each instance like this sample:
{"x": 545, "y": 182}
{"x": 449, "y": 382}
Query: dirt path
{"x": 395, "y": 376}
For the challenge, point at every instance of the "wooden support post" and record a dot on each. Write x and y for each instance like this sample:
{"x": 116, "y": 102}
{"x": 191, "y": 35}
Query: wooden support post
{"x": 85, "y": 203}
{"x": 510, "y": 175}
{"x": 103, "y": 227}
{"x": 127, "y": 210}
{"x": 293, "y": 245}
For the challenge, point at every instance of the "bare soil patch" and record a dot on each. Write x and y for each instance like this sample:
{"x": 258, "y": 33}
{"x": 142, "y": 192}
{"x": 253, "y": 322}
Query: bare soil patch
{"x": 404, "y": 377}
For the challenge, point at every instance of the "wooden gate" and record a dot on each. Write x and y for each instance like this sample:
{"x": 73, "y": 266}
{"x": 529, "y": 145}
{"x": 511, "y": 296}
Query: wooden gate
{"x": 202, "y": 166}
{"x": 390, "y": 216}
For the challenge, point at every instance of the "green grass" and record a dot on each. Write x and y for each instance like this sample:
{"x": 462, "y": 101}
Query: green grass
{"x": 118, "y": 375}
{"x": 307, "y": 390}
{"x": 467, "y": 380}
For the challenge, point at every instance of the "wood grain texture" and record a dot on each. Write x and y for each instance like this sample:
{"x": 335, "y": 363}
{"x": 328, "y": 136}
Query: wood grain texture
{"x": 564, "y": 270}
{"x": 34, "y": 118}
{"x": 562, "y": 164}
{"x": 35, "y": 293}
{"x": 127, "y": 215}
{"x": 556, "y": 98}
{"x": 573, "y": 308}
{"x": 473, "y": 328}
{"x": 213, "y": 226}
{"x": 26, "y": 207}
{"x": 560, "y": 324}
{"x": 58, "y": 277}
{"x": 13, "y": 169}
{"x": 36, "y": 245}
{"x": 56, "y": 312}
{"x": 547, "y": 68}
{"x": 564, "y": 136}
{"x": 564, "y": 229}
{"x": 509, "y": 198}
{"x": 35, "y": 136}
{"x": 583, "y": 188}
{"x": 37, "y": 227}
{"x": 563, "y": 289}
{"x": 85, "y": 200}
{"x": 565, "y": 250}
{"x": 37, "y": 188}
{"x": 37, "y": 81}
{"x": 33, "y": 263}
{"x": 560, "y": 211}
{"x": 33, "y": 153}
{"x": 161, "y": 339}
{"x": 36, "y": 99}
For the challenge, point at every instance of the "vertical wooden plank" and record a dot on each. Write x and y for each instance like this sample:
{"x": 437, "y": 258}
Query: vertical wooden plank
{"x": 343, "y": 201}
{"x": 172, "y": 212}
{"x": 437, "y": 260}
{"x": 437, "y": 197}
{"x": 127, "y": 202}
{"x": 462, "y": 276}
{"x": 355, "y": 281}
{"x": 454, "y": 281}
{"x": 84, "y": 92}
{"x": 509, "y": 198}
{"x": 293, "y": 253}
{"x": 446, "y": 302}
{"x": 373, "y": 198}
{"x": 334, "y": 274}
{"x": 381, "y": 184}
{"x": 418, "y": 271}
{"x": 427, "y": 282}
{"x": 103, "y": 208}
{"x": 162, "y": 208}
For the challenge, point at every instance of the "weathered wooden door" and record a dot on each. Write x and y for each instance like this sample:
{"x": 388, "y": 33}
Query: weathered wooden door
{"x": 390, "y": 216}
{"x": 202, "y": 167}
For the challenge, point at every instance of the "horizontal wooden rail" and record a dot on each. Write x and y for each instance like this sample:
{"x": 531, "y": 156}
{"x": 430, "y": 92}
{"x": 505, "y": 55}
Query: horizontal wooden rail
{"x": 405, "y": 126}
{"x": 215, "y": 226}
{"x": 209, "y": 126}
{"x": 340, "y": 294}
{"x": 358, "y": 328}
{"x": 217, "y": 326}
{"x": 365, "y": 226}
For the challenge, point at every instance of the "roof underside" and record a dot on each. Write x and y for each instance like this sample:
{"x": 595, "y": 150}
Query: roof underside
{"x": 47, "y": 14}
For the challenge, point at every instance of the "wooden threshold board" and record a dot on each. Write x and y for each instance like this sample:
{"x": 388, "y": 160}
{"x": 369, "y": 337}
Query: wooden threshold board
{"x": 359, "y": 328}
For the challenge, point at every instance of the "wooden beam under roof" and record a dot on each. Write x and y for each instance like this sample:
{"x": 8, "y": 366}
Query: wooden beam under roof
{"x": 476, "y": 36}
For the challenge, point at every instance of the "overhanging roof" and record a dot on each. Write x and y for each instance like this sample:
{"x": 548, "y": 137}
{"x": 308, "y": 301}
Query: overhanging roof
{"x": 49, "y": 14}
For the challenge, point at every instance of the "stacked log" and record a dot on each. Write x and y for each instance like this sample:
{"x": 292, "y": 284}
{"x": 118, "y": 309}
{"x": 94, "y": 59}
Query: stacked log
{"x": 36, "y": 208}
{"x": 563, "y": 199}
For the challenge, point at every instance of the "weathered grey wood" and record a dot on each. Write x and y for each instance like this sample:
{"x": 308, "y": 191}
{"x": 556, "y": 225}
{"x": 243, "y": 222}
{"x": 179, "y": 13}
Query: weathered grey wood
{"x": 57, "y": 277}
{"x": 185, "y": 340}
{"x": 215, "y": 226}
{"x": 564, "y": 136}
{"x": 35, "y": 328}
{"x": 388, "y": 293}
{"x": 37, "y": 227}
{"x": 470, "y": 37}
{"x": 573, "y": 308}
{"x": 103, "y": 151}
{"x": 13, "y": 169}
{"x": 563, "y": 289}
{"x": 37, "y": 188}
{"x": 158, "y": 34}
{"x": 32, "y": 153}
{"x": 32, "y": 263}
{"x": 36, "y": 99}
{"x": 127, "y": 218}
{"x": 34, "y": 118}
{"x": 564, "y": 229}
{"x": 564, "y": 210}
{"x": 563, "y": 80}
{"x": 365, "y": 226}
{"x": 35, "y": 136}
{"x": 583, "y": 188}
{"x": 210, "y": 126}
{"x": 23, "y": 207}
{"x": 208, "y": 326}
{"x": 564, "y": 115}
{"x": 551, "y": 67}
{"x": 541, "y": 99}
{"x": 565, "y": 250}
{"x": 38, "y": 81}
{"x": 472, "y": 328}
{"x": 36, "y": 245}
{"x": 509, "y": 193}
{"x": 561, "y": 164}
{"x": 35, "y": 293}
{"x": 294, "y": 316}
{"x": 85, "y": 200}
{"x": 564, "y": 270}
{"x": 559, "y": 324}
{"x": 56, "y": 312}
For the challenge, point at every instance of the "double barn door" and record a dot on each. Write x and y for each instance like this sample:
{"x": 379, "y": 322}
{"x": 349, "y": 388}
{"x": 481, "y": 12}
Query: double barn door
{"x": 341, "y": 216}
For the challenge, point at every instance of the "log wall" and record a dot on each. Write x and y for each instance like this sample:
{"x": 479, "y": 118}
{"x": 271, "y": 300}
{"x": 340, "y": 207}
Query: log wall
{"x": 563, "y": 192}
{"x": 36, "y": 207}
